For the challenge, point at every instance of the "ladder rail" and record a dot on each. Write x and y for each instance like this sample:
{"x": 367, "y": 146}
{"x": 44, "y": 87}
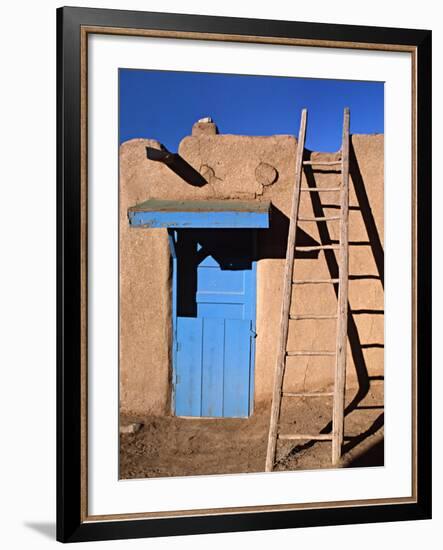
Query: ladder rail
{"x": 338, "y": 394}
{"x": 342, "y": 303}
{"x": 286, "y": 302}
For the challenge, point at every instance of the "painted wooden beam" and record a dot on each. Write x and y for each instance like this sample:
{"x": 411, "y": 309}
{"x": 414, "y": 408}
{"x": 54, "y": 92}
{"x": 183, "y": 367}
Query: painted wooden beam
{"x": 200, "y": 214}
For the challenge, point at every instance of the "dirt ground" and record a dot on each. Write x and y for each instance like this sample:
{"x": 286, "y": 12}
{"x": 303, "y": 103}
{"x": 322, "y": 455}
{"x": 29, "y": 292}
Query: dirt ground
{"x": 172, "y": 446}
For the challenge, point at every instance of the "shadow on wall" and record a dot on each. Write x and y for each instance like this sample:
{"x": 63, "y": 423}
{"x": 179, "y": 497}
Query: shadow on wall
{"x": 233, "y": 250}
{"x": 353, "y": 336}
{"x": 274, "y": 240}
{"x": 177, "y": 164}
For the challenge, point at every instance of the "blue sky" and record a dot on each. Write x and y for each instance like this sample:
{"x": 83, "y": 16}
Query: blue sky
{"x": 163, "y": 105}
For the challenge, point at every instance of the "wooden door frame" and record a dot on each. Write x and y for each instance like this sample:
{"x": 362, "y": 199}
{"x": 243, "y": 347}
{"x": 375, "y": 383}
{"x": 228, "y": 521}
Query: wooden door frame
{"x": 172, "y": 236}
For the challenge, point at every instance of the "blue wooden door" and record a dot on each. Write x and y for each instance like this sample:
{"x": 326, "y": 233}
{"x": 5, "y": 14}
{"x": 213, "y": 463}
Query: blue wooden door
{"x": 214, "y": 322}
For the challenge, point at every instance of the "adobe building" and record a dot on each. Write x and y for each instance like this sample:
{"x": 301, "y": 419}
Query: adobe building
{"x": 201, "y": 273}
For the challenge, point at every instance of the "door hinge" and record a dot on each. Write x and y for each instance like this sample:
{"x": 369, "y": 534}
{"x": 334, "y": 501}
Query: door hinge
{"x": 253, "y": 333}
{"x": 178, "y": 346}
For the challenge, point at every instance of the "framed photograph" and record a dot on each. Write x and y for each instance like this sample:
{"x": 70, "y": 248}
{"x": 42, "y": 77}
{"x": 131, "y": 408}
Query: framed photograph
{"x": 244, "y": 271}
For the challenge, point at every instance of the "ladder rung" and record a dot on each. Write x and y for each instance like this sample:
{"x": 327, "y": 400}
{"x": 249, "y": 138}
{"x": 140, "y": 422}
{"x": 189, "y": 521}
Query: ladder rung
{"x": 319, "y": 247}
{"x": 308, "y": 437}
{"x": 322, "y": 162}
{"x": 319, "y": 189}
{"x": 307, "y": 394}
{"x": 319, "y": 219}
{"x": 339, "y": 164}
{"x": 314, "y": 281}
{"x": 312, "y": 316}
{"x": 301, "y": 353}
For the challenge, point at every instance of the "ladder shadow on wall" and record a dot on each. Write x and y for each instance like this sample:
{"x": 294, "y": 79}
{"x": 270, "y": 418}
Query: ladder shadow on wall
{"x": 273, "y": 241}
{"x": 374, "y": 241}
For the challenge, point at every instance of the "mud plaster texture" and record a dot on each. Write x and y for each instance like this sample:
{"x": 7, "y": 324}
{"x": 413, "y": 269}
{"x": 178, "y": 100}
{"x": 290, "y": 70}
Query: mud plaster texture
{"x": 172, "y": 446}
{"x": 259, "y": 169}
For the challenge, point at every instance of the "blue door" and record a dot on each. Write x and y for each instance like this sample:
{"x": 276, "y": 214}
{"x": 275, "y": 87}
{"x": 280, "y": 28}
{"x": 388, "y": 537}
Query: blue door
{"x": 214, "y": 321}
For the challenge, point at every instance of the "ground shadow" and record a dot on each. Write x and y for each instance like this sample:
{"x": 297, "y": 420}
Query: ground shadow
{"x": 374, "y": 456}
{"x": 46, "y": 529}
{"x": 354, "y": 441}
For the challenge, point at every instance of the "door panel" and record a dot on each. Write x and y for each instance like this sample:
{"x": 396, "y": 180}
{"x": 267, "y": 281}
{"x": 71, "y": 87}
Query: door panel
{"x": 215, "y": 305}
{"x": 212, "y": 367}
{"x": 236, "y": 377}
{"x": 212, "y": 278}
{"x": 223, "y": 311}
{"x": 188, "y": 368}
{"x": 213, "y": 360}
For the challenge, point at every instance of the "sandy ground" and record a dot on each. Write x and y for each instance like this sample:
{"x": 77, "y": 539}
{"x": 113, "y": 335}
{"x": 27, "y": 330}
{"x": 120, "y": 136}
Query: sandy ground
{"x": 172, "y": 446}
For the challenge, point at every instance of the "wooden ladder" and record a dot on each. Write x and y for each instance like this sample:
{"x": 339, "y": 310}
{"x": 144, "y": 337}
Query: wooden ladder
{"x": 342, "y": 307}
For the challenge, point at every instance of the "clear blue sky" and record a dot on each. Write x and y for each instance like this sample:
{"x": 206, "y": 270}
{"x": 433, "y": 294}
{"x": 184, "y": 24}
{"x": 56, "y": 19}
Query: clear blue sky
{"x": 163, "y": 105}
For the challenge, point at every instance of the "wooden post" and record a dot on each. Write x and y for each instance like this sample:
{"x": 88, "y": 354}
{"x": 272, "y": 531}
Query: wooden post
{"x": 342, "y": 308}
{"x": 286, "y": 302}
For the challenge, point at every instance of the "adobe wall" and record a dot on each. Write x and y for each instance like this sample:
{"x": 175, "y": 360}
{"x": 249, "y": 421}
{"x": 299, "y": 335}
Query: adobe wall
{"x": 237, "y": 167}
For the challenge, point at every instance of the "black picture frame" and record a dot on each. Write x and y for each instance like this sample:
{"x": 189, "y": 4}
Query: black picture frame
{"x": 72, "y": 525}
